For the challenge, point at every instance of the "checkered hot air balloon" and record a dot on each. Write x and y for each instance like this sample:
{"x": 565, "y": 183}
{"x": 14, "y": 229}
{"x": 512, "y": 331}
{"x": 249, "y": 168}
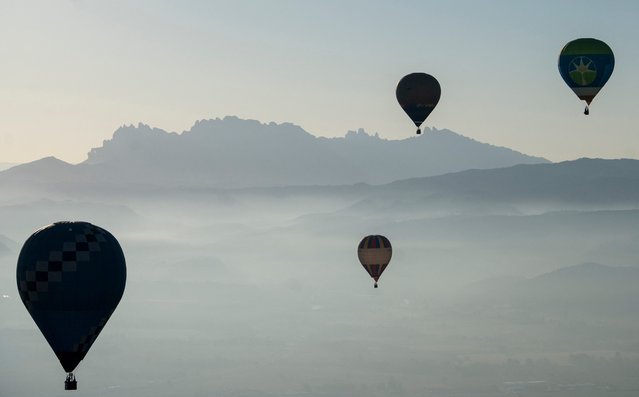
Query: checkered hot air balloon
{"x": 71, "y": 276}
{"x": 374, "y": 253}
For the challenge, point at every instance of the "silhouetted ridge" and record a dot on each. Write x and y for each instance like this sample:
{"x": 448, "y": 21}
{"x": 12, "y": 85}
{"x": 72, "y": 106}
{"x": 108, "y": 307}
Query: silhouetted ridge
{"x": 49, "y": 161}
{"x": 587, "y": 287}
{"x": 232, "y": 152}
{"x": 583, "y": 180}
{"x": 46, "y": 169}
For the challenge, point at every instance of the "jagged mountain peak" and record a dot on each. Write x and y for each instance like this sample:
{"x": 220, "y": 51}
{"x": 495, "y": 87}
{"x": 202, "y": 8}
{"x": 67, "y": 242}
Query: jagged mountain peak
{"x": 242, "y": 128}
{"x": 231, "y": 152}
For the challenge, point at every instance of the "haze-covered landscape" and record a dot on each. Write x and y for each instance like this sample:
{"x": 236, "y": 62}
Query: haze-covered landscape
{"x": 511, "y": 275}
{"x": 198, "y": 198}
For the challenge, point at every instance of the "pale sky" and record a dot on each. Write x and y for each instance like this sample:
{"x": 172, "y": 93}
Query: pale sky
{"x": 74, "y": 71}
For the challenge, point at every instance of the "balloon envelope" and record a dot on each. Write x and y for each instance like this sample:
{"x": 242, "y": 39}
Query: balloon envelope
{"x": 374, "y": 253}
{"x": 71, "y": 276}
{"x": 418, "y": 94}
{"x": 586, "y": 65}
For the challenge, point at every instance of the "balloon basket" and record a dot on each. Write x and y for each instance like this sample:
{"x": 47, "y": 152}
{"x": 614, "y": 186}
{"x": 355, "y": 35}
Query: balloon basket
{"x": 375, "y": 286}
{"x": 70, "y": 383}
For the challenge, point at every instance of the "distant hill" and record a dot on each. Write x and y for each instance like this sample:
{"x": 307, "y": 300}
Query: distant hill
{"x": 584, "y": 184}
{"x": 589, "y": 276}
{"x": 568, "y": 179}
{"x": 579, "y": 184}
{"x": 4, "y": 166}
{"x": 233, "y": 153}
{"x": 46, "y": 170}
{"x": 591, "y": 184}
{"x": 583, "y": 287}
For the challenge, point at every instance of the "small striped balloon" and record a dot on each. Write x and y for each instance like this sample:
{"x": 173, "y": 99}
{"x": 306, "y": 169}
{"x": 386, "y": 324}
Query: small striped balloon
{"x": 374, "y": 253}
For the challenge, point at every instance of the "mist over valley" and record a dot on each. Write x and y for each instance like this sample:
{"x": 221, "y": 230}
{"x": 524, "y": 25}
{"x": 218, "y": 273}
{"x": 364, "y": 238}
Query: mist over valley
{"x": 243, "y": 278}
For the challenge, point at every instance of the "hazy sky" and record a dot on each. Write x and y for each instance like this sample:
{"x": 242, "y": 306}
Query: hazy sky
{"x": 74, "y": 71}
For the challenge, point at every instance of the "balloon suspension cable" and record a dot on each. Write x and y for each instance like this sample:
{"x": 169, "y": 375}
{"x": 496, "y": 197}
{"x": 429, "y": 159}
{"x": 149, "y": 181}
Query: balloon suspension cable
{"x": 70, "y": 383}
{"x": 418, "y": 131}
{"x": 586, "y": 111}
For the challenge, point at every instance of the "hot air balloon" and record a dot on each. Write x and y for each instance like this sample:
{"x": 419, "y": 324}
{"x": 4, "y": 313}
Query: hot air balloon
{"x": 71, "y": 276}
{"x": 418, "y": 94}
{"x": 586, "y": 65}
{"x": 374, "y": 253}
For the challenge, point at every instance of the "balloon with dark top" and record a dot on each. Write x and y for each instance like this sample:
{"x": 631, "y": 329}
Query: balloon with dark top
{"x": 418, "y": 94}
{"x": 71, "y": 277}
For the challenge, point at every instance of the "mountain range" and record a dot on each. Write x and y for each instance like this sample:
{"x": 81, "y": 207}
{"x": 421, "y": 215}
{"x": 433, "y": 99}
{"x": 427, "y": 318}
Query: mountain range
{"x": 578, "y": 184}
{"x": 244, "y": 159}
{"x": 236, "y": 153}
